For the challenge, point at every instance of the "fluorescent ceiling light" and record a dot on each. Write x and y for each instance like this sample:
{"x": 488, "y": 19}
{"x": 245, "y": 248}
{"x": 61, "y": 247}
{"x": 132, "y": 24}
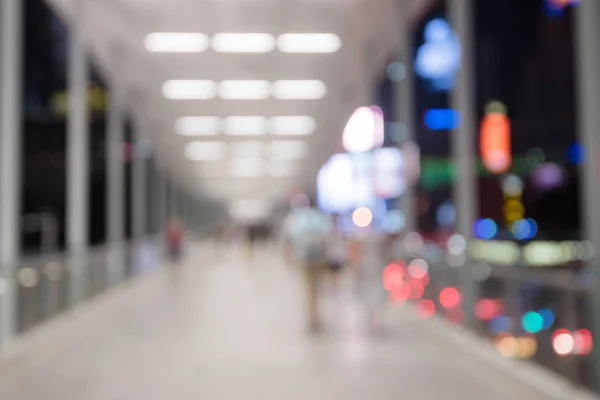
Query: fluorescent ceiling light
{"x": 283, "y": 168}
{"x": 205, "y": 151}
{"x": 250, "y": 208}
{"x": 247, "y": 167}
{"x": 299, "y": 90}
{"x": 189, "y": 89}
{"x": 198, "y": 126}
{"x": 244, "y": 90}
{"x": 287, "y": 150}
{"x": 309, "y": 43}
{"x": 245, "y": 126}
{"x": 243, "y": 43}
{"x": 293, "y": 125}
{"x": 252, "y": 150}
{"x": 176, "y": 42}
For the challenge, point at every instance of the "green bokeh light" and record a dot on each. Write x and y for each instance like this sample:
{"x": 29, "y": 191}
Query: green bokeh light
{"x": 532, "y": 322}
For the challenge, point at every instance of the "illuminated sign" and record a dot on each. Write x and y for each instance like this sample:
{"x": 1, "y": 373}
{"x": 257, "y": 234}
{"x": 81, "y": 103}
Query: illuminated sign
{"x": 438, "y": 59}
{"x": 97, "y": 100}
{"x": 494, "y": 139}
{"x": 348, "y": 181}
{"x": 555, "y": 8}
{"x": 364, "y": 130}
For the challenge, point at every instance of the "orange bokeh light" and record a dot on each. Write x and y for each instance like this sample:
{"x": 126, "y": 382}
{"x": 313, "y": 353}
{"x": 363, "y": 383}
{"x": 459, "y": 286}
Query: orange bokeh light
{"x": 495, "y": 143}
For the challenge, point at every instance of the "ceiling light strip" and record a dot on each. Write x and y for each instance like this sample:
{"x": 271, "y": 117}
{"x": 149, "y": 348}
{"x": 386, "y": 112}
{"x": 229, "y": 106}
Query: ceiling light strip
{"x": 243, "y": 43}
{"x": 173, "y": 42}
{"x": 189, "y": 89}
{"x": 309, "y": 43}
{"x": 244, "y": 89}
{"x": 292, "y": 125}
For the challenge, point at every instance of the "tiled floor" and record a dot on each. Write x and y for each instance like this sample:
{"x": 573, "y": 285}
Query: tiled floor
{"x": 234, "y": 329}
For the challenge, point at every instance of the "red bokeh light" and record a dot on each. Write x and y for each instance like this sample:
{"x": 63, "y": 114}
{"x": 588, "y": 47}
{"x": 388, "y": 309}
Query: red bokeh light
{"x": 487, "y": 309}
{"x": 401, "y": 293}
{"x": 449, "y": 297}
{"x": 393, "y": 277}
{"x": 583, "y": 342}
{"x": 416, "y": 289}
{"x": 416, "y": 271}
{"x": 455, "y": 315}
{"x": 558, "y": 332}
{"x": 425, "y": 309}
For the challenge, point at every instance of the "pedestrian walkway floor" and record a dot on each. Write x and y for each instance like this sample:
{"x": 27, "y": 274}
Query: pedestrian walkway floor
{"x": 234, "y": 328}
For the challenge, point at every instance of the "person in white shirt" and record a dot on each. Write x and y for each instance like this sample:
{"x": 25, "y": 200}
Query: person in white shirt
{"x": 307, "y": 231}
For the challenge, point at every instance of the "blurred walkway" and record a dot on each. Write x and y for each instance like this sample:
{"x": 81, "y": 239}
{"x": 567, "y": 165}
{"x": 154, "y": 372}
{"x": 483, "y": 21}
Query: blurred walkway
{"x": 234, "y": 329}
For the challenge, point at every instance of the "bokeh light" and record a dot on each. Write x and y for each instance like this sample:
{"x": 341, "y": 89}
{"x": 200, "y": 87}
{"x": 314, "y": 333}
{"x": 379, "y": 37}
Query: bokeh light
{"x": 394, "y": 222}
{"x": 576, "y": 153}
{"x": 413, "y": 242}
{"x": 393, "y": 277}
{"x": 563, "y": 343}
{"x": 364, "y": 130}
{"x": 446, "y": 214}
{"x": 400, "y": 294}
{"x": 526, "y": 347}
{"x": 449, "y": 297}
{"x": 532, "y": 322}
{"x": 438, "y": 119}
{"x": 457, "y": 244}
{"x": 425, "y": 308}
{"x": 500, "y": 324}
{"x": 512, "y": 185}
{"x": 524, "y": 229}
{"x": 396, "y": 71}
{"x": 507, "y": 345}
{"x": 487, "y": 309}
{"x": 582, "y": 342}
{"x": 548, "y": 176}
{"x": 535, "y": 156}
{"x": 485, "y": 228}
{"x": 548, "y": 317}
{"x": 417, "y": 289}
{"x": 362, "y": 217}
{"x": 481, "y": 271}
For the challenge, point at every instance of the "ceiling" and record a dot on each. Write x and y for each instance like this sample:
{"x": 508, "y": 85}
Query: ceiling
{"x": 115, "y": 33}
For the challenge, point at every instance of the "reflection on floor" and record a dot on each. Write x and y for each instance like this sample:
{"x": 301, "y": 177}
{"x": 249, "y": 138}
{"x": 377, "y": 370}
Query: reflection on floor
{"x": 234, "y": 329}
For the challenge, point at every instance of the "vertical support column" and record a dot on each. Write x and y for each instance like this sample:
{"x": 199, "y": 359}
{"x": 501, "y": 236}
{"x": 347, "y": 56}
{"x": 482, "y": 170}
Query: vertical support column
{"x": 463, "y": 145}
{"x": 10, "y": 161}
{"x": 77, "y": 159}
{"x": 115, "y": 193}
{"x": 588, "y": 97}
{"x": 405, "y": 113}
{"x": 138, "y": 187}
{"x": 162, "y": 196}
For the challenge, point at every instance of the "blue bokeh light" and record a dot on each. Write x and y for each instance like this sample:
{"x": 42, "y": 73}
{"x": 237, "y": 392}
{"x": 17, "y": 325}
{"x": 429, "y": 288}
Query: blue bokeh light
{"x": 485, "y": 228}
{"x": 524, "y": 229}
{"x": 500, "y": 324}
{"x": 576, "y": 153}
{"x": 548, "y": 317}
{"x": 438, "y": 119}
{"x": 446, "y": 214}
{"x": 438, "y": 59}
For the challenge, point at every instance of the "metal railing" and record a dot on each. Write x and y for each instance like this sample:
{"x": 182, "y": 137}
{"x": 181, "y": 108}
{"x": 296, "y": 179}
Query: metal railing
{"x": 48, "y": 285}
{"x": 518, "y": 290}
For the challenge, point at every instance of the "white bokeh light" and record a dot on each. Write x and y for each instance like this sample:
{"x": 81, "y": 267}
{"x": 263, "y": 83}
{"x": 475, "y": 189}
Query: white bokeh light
{"x": 364, "y": 130}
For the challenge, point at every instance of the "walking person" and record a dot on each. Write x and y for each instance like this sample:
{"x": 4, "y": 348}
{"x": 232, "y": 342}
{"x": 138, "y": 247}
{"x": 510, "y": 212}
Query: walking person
{"x": 308, "y": 230}
{"x": 174, "y": 241}
{"x": 337, "y": 254}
